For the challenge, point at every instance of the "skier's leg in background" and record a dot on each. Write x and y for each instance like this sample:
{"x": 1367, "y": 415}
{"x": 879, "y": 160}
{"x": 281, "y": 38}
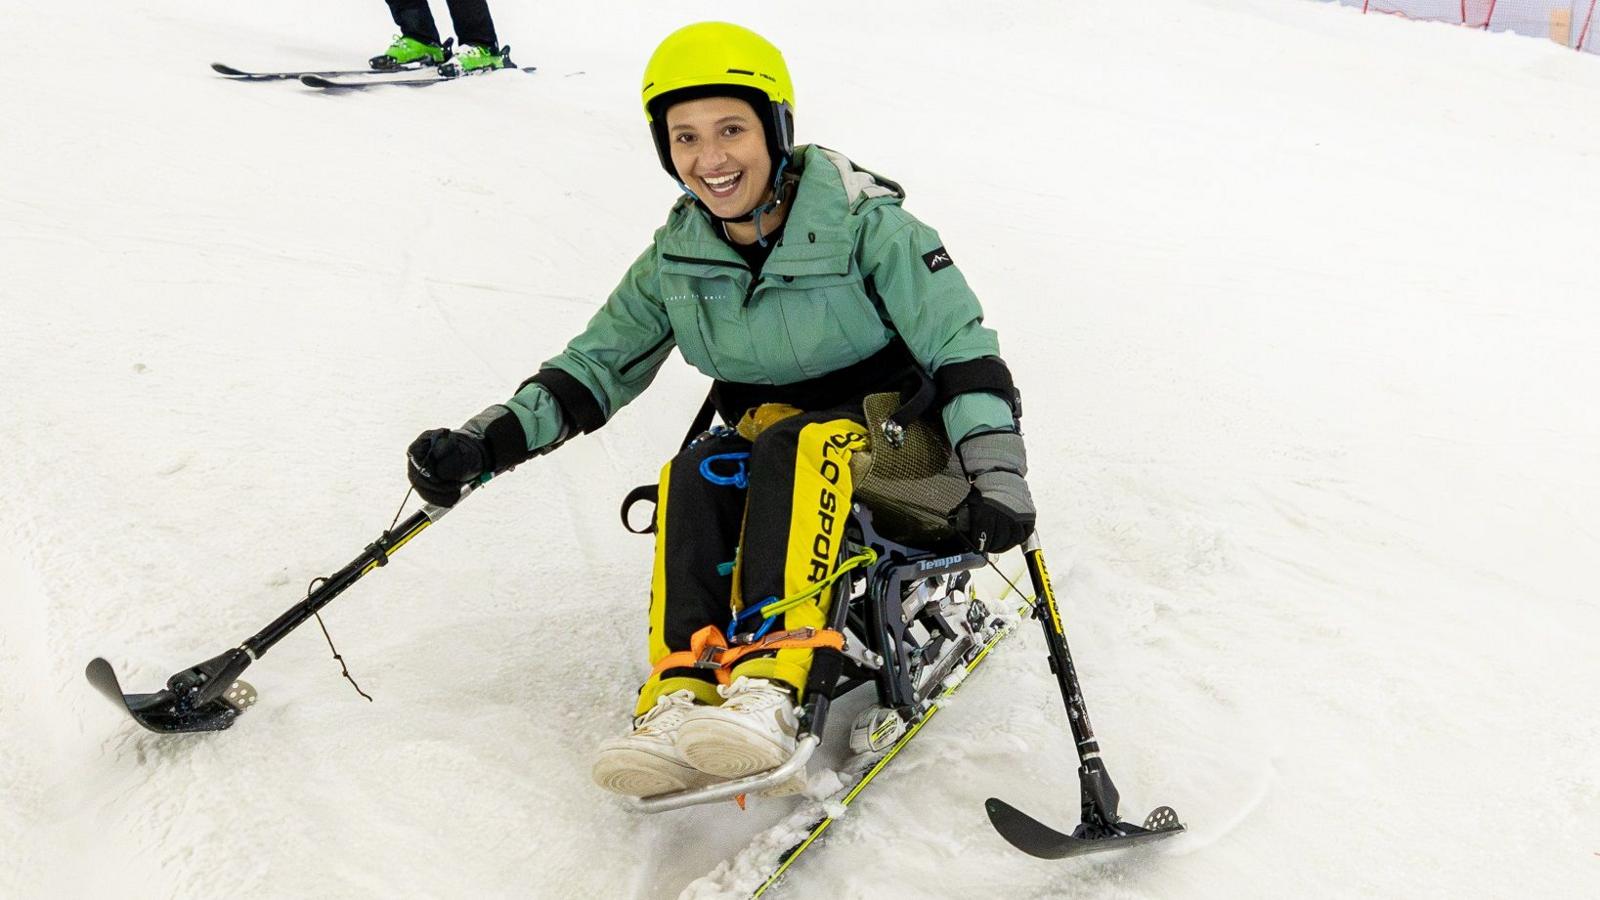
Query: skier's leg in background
{"x": 418, "y": 41}
{"x": 415, "y": 20}
{"x": 472, "y": 23}
{"x": 697, "y": 531}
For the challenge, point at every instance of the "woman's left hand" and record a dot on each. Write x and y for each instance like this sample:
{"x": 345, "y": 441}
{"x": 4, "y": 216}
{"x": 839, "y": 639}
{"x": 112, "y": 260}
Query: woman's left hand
{"x": 998, "y": 513}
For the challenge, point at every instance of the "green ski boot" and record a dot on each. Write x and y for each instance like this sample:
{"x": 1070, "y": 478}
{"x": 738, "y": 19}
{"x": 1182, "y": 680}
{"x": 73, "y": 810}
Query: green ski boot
{"x": 472, "y": 58}
{"x": 406, "y": 51}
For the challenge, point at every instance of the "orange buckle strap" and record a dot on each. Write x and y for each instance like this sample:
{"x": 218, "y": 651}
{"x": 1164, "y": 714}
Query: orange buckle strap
{"x": 708, "y": 649}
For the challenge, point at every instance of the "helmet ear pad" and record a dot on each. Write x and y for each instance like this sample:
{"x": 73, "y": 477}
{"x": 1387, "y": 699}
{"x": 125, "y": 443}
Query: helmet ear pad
{"x": 777, "y": 120}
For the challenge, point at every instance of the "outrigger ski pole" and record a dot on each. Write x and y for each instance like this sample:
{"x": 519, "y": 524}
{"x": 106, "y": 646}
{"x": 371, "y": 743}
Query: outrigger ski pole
{"x": 209, "y": 696}
{"x": 1100, "y": 828}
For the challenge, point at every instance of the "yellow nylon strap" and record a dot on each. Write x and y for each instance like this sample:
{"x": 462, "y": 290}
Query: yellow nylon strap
{"x": 759, "y": 419}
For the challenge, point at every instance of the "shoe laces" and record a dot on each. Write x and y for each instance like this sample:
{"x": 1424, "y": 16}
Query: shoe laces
{"x": 666, "y": 714}
{"x": 752, "y": 694}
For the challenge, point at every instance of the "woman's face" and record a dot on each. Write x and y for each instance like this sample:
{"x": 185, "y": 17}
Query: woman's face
{"x": 720, "y": 150}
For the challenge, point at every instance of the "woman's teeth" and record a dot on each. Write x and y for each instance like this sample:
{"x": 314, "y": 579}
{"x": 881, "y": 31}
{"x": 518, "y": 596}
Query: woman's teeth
{"x": 723, "y": 185}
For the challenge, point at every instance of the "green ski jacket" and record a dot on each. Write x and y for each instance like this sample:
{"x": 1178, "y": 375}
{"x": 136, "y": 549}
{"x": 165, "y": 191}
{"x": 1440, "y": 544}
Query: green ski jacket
{"x": 852, "y": 271}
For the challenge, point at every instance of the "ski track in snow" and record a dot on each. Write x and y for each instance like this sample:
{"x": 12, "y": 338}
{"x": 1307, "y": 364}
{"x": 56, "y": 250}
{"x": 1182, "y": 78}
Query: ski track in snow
{"x": 1301, "y": 303}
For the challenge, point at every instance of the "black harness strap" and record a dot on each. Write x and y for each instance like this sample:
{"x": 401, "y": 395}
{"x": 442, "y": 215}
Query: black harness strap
{"x": 987, "y": 374}
{"x": 578, "y": 405}
{"x": 702, "y": 421}
{"x": 893, "y": 367}
{"x": 652, "y": 492}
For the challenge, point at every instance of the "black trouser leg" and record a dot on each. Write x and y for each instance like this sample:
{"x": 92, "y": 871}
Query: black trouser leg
{"x": 697, "y": 531}
{"x": 472, "y": 23}
{"x": 415, "y": 20}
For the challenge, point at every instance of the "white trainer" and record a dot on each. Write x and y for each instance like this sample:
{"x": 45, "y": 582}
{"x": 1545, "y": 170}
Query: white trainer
{"x": 648, "y": 761}
{"x": 752, "y": 731}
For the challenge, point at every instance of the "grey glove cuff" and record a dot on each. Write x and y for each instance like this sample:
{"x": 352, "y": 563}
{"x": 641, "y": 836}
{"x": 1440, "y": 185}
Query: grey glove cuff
{"x": 500, "y": 431}
{"x": 1002, "y": 450}
{"x": 996, "y": 463}
{"x": 478, "y": 425}
{"x": 1007, "y": 489}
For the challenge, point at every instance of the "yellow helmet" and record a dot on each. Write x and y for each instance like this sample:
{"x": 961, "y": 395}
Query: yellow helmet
{"x": 716, "y": 59}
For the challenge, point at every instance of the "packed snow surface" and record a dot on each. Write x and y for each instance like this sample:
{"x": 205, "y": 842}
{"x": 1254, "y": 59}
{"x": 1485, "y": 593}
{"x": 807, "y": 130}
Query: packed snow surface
{"x": 1304, "y": 308}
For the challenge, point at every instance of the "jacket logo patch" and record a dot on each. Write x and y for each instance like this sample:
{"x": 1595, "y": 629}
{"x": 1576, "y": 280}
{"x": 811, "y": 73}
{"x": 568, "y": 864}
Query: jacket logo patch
{"x": 937, "y": 259}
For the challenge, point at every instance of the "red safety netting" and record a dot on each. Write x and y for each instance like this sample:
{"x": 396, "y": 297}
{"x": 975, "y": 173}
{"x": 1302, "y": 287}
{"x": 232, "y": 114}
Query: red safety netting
{"x": 1571, "y": 22}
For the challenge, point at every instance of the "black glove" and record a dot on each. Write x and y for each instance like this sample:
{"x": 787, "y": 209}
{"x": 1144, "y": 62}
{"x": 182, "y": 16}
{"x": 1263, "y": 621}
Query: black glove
{"x": 440, "y": 461}
{"x": 998, "y": 513}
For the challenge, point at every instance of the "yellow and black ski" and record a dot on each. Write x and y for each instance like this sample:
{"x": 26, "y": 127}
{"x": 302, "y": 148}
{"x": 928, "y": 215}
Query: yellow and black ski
{"x": 879, "y": 763}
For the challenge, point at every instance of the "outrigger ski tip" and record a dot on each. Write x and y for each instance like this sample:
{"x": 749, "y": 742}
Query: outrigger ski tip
{"x": 189, "y": 702}
{"x": 1038, "y": 839}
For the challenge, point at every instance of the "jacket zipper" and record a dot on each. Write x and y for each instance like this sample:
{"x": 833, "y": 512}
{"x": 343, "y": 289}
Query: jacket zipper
{"x": 643, "y": 356}
{"x": 705, "y": 262}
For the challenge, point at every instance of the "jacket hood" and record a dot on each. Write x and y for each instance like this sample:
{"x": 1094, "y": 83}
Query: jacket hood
{"x": 835, "y": 173}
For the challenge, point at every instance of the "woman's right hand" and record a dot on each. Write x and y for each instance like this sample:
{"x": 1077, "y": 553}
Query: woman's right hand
{"x": 440, "y": 461}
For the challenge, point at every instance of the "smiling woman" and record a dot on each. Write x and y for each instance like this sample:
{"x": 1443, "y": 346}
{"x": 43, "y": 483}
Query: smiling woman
{"x": 797, "y": 281}
{"x": 719, "y": 150}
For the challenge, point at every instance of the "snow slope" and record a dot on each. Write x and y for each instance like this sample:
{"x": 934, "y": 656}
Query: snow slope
{"x": 1302, "y": 303}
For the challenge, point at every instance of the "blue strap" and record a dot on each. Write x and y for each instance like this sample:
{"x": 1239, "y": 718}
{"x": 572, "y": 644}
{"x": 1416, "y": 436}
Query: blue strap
{"x": 740, "y": 479}
{"x": 777, "y": 193}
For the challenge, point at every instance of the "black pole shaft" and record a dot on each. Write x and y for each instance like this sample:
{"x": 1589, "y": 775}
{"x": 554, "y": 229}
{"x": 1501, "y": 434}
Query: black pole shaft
{"x": 202, "y": 684}
{"x": 1055, "y": 637}
{"x": 376, "y": 555}
{"x": 1099, "y": 794}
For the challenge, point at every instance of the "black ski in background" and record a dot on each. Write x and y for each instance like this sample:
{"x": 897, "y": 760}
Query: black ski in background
{"x": 241, "y": 75}
{"x": 421, "y": 78}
